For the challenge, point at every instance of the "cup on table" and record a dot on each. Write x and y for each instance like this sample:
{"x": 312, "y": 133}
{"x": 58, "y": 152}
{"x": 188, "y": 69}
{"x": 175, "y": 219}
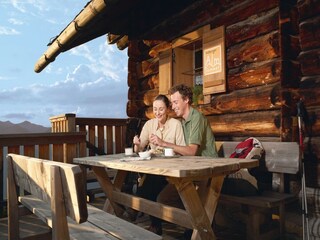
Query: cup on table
{"x": 128, "y": 151}
{"x": 168, "y": 152}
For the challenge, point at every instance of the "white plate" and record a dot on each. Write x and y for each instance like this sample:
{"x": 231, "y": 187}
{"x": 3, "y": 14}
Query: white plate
{"x": 125, "y": 159}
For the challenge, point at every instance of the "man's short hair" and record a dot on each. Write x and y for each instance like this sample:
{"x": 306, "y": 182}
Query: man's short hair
{"x": 185, "y": 91}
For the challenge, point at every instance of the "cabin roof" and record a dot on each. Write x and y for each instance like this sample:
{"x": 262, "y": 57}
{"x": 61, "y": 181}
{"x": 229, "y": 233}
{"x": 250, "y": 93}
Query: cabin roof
{"x": 122, "y": 20}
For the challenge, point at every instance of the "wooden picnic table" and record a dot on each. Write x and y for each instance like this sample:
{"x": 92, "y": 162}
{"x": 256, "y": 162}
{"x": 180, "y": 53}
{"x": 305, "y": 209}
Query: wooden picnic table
{"x": 182, "y": 171}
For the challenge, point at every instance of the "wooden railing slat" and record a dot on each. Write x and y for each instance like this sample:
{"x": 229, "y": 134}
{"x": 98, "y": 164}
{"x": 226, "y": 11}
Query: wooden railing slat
{"x": 118, "y": 139}
{"x": 101, "y": 137}
{"x": 29, "y": 150}
{"x": 14, "y": 149}
{"x": 109, "y": 140}
{"x": 57, "y": 152}
{"x": 44, "y": 151}
{"x": 92, "y": 136}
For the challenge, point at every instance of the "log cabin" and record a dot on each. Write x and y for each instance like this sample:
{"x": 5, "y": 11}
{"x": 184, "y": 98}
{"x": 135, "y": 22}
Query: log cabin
{"x": 249, "y": 62}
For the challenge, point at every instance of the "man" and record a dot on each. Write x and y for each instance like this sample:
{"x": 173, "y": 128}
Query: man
{"x": 197, "y": 131}
{"x": 199, "y": 142}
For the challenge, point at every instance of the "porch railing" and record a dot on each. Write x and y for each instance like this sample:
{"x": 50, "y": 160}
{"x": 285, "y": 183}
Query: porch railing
{"x": 104, "y": 135}
{"x": 70, "y": 137}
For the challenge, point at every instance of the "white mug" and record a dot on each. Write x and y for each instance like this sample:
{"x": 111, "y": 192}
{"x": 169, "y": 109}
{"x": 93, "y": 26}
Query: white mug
{"x": 168, "y": 152}
{"x": 128, "y": 151}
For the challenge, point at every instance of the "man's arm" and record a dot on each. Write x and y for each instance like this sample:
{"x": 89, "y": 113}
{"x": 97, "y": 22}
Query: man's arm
{"x": 189, "y": 150}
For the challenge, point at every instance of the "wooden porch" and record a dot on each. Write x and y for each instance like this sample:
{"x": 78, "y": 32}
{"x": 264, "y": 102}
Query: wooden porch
{"x": 72, "y": 137}
{"x": 170, "y": 231}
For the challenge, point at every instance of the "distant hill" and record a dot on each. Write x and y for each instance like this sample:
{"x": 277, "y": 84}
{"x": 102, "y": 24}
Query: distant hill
{"x": 23, "y": 127}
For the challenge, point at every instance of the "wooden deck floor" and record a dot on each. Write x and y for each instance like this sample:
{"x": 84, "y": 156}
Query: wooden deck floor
{"x": 30, "y": 224}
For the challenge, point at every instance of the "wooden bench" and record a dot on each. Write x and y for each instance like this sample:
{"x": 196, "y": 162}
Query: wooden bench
{"x": 280, "y": 158}
{"x": 57, "y": 196}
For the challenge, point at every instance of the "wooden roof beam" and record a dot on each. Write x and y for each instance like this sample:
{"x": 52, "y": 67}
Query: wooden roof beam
{"x": 90, "y": 11}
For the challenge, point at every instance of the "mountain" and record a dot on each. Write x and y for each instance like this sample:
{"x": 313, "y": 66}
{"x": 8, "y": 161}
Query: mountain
{"x": 23, "y": 127}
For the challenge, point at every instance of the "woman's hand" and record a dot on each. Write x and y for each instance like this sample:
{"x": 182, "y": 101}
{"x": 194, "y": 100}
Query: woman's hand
{"x": 136, "y": 140}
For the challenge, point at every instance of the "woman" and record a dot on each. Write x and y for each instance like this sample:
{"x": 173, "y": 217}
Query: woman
{"x": 167, "y": 129}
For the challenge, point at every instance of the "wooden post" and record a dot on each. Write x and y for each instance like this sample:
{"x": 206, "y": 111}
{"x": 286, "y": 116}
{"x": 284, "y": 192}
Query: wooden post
{"x": 63, "y": 123}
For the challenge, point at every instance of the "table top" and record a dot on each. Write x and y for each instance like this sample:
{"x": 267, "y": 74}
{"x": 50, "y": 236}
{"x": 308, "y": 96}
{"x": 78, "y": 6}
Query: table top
{"x": 178, "y": 166}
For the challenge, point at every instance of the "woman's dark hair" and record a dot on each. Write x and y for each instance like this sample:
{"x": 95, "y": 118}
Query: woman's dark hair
{"x": 164, "y": 99}
{"x": 185, "y": 91}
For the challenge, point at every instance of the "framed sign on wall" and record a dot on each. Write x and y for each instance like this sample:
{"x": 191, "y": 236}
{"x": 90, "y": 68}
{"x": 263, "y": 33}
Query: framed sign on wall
{"x": 214, "y": 72}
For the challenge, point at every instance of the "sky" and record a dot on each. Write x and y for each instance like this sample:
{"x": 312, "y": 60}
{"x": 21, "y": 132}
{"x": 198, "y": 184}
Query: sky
{"x": 89, "y": 80}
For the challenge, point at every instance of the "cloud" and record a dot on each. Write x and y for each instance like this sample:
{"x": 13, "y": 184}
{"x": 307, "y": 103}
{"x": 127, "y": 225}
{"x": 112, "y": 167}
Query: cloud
{"x": 109, "y": 61}
{"x": 3, "y": 78}
{"x": 22, "y": 6}
{"x": 8, "y": 31}
{"x": 15, "y": 21}
{"x": 95, "y": 88}
{"x": 20, "y": 116}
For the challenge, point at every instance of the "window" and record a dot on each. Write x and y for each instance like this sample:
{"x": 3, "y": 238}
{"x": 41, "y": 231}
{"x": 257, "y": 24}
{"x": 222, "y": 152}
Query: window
{"x": 195, "y": 59}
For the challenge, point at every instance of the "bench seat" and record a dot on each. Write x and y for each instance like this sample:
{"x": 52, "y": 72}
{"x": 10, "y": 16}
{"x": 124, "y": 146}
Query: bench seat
{"x": 99, "y": 225}
{"x": 57, "y": 196}
{"x": 280, "y": 159}
{"x": 267, "y": 199}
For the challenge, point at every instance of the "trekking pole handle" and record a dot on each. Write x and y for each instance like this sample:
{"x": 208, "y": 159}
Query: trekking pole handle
{"x": 300, "y": 108}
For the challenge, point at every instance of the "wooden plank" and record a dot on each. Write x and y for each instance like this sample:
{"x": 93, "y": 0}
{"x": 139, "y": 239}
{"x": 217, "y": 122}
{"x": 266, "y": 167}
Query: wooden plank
{"x": 111, "y": 223}
{"x": 165, "y": 72}
{"x": 101, "y": 137}
{"x": 92, "y": 138}
{"x": 44, "y": 151}
{"x": 57, "y": 152}
{"x": 308, "y": 9}
{"x": 29, "y": 150}
{"x": 182, "y": 166}
{"x": 118, "y": 140}
{"x": 33, "y": 175}
{"x": 100, "y": 225}
{"x": 310, "y": 62}
{"x": 83, "y": 145}
{"x": 14, "y": 149}
{"x": 59, "y": 221}
{"x": 252, "y": 27}
{"x": 267, "y": 199}
{"x": 210, "y": 194}
{"x": 281, "y": 157}
{"x": 148, "y": 67}
{"x": 194, "y": 207}
{"x": 167, "y": 213}
{"x": 1, "y": 160}
{"x": 107, "y": 186}
{"x": 254, "y": 74}
{"x": 109, "y": 139}
{"x": 40, "y": 138}
{"x": 13, "y": 214}
{"x": 255, "y": 50}
{"x": 70, "y": 152}
{"x": 263, "y": 123}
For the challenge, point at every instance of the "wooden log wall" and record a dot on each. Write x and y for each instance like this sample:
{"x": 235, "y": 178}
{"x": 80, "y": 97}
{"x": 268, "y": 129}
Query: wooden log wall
{"x": 309, "y": 88}
{"x": 254, "y": 68}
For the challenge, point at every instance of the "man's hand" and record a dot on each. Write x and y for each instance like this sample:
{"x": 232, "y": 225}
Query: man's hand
{"x": 155, "y": 140}
{"x": 190, "y": 150}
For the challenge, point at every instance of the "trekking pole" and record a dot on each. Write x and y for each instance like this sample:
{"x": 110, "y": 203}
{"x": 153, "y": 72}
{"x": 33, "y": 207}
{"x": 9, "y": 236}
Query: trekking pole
{"x": 304, "y": 204}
